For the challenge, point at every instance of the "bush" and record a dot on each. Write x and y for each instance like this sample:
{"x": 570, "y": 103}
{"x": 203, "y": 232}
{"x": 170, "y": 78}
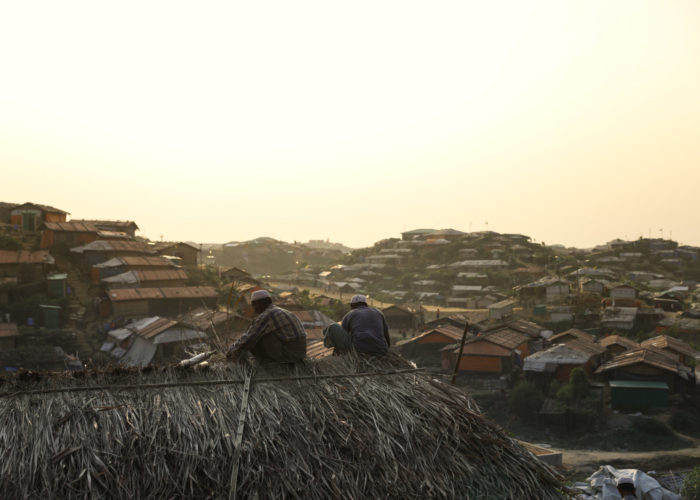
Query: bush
{"x": 691, "y": 485}
{"x": 526, "y": 399}
{"x": 685, "y": 422}
{"x": 7, "y": 242}
{"x": 651, "y": 426}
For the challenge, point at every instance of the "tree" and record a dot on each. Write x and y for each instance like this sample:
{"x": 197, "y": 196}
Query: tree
{"x": 526, "y": 399}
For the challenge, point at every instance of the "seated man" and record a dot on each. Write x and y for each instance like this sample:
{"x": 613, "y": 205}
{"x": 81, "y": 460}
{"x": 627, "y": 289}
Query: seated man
{"x": 336, "y": 337}
{"x": 275, "y": 334}
{"x": 367, "y": 327}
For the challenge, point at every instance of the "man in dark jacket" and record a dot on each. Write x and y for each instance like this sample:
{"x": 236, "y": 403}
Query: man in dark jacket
{"x": 367, "y": 327}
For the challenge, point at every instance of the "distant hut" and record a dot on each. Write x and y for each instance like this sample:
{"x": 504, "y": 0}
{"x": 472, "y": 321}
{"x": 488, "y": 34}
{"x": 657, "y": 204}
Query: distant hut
{"x": 338, "y": 427}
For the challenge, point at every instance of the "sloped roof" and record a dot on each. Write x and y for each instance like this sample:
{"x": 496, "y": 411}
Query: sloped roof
{"x": 114, "y": 246}
{"x": 184, "y": 292}
{"x": 136, "y": 261}
{"x": 505, "y": 337}
{"x": 312, "y": 419}
{"x": 671, "y": 344}
{"x": 645, "y": 355}
{"x": 109, "y": 223}
{"x": 519, "y": 325}
{"x": 575, "y": 332}
{"x": 25, "y": 257}
{"x": 585, "y": 347}
{"x": 446, "y": 330}
{"x": 548, "y": 359}
{"x": 146, "y": 276}
{"x": 45, "y": 208}
{"x": 618, "y": 340}
{"x": 71, "y": 227}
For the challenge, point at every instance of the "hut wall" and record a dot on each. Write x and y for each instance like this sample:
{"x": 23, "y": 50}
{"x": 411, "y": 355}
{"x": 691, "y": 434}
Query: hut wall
{"x": 488, "y": 364}
{"x": 131, "y": 308}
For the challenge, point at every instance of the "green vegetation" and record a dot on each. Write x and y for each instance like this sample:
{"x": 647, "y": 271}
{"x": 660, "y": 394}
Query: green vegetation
{"x": 525, "y": 400}
{"x": 691, "y": 485}
{"x": 575, "y": 390}
{"x": 686, "y": 421}
{"x": 8, "y": 242}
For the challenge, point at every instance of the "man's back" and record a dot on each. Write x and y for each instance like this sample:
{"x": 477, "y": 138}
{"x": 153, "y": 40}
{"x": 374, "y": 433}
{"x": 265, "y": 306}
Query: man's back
{"x": 368, "y": 328}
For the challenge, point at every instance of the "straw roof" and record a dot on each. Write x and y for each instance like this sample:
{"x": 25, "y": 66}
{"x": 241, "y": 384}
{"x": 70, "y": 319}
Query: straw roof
{"x": 343, "y": 426}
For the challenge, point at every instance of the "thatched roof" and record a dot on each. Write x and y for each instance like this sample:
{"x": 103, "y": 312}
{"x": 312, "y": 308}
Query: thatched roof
{"x": 340, "y": 427}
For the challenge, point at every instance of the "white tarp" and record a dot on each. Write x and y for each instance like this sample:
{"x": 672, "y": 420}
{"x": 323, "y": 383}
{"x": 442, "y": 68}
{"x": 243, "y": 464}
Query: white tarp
{"x": 601, "y": 485}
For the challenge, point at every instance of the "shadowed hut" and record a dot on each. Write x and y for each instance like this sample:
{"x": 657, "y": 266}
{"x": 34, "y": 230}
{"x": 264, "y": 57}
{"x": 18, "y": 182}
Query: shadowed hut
{"x": 340, "y": 427}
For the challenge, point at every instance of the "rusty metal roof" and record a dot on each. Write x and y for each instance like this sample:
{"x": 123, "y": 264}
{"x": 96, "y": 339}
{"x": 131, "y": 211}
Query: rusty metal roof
{"x": 574, "y": 332}
{"x": 137, "y": 260}
{"x": 645, "y": 355}
{"x": 108, "y": 223}
{"x": 45, "y": 208}
{"x": 25, "y": 257}
{"x": 189, "y": 292}
{"x": 8, "y": 330}
{"x": 72, "y": 227}
{"x": 671, "y": 344}
{"x": 505, "y": 337}
{"x": 585, "y": 347}
{"x": 180, "y": 292}
{"x": 618, "y": 340}
{"x": 114, "y": 246}
{"x": 161, "y": 275}
{"x": 156, "y": 327}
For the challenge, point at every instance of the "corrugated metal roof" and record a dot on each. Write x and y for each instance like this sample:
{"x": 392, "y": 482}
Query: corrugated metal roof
{"x": 645, "y": 355}
{"x": 156, "y": 327}
{"x": 585, "y": 347}
{"x": 671, "y": 344}
{"x": 618, "y": 340}
{"x": 575, "y": 332}
{"x": 189, "y": 292}
{"x": 136, "y": 260}
{"x": 8, "y": 330}
{"x": 124, "y": 294}
{"x": 162, "y": 275}
{"x": 548, "y": 359}
{"x": 451, "y": 332}
{"x": 72, "y": 227}
{"x": 505, "y": 337}
{"x": 108, "y": 223}
{"x": 181, "y": 292}
{"x": 114, "y": 246}
{"x": 25, "y": 257}
{"x": 45, "y": 208}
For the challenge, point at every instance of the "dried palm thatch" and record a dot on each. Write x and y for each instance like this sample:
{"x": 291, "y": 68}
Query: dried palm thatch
{"x": 388, "y": 431}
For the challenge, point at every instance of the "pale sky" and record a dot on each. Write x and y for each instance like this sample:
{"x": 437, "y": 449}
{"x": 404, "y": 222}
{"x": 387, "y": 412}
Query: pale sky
{"x": 572, "y": 122}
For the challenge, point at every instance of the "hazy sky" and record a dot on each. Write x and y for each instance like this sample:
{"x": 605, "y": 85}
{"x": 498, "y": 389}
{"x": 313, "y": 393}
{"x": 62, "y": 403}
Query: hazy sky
{"x": 572, "y": 122}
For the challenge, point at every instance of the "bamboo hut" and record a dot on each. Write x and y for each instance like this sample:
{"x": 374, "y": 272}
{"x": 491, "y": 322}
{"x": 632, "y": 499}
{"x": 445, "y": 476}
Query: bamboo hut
{"x": 340, "y": 427}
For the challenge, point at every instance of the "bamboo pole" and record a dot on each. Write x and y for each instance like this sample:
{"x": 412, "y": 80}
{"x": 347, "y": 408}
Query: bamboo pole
{"x": 459, "y": 357}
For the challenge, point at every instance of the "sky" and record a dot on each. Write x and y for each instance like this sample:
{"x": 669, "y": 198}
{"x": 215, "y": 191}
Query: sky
{"x": 572, "y": 122}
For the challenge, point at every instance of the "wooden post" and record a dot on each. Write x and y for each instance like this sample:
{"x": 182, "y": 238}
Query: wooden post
{"x": 459, "y": 357}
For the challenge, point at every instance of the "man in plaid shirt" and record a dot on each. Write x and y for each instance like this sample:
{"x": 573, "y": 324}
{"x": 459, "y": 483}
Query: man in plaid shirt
{"x": 275, "y": 334}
